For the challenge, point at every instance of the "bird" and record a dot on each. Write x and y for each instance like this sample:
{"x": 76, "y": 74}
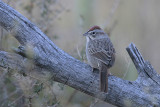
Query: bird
{"x": 100, "y": 53}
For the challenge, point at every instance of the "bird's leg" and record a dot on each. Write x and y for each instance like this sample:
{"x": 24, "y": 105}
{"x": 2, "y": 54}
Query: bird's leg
{"x": 95, "y": 70}
{"x": 110, "y": 74}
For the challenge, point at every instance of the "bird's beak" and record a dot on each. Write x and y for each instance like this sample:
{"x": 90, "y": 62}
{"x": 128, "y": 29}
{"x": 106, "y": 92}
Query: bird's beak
{"x": 85, "y": 34}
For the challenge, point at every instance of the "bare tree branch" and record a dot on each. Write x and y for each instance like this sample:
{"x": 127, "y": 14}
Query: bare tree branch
{"x": 65, "y": 69}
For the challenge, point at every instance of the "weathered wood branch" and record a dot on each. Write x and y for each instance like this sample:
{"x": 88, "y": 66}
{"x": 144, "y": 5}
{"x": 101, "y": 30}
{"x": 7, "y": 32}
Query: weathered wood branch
{"x": 65, "y": 69}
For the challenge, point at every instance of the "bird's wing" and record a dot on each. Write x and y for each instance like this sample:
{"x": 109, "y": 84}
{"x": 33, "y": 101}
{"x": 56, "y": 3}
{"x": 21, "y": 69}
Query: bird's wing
{"x": 101, "y": 55}
{"x": 105, "y": 55}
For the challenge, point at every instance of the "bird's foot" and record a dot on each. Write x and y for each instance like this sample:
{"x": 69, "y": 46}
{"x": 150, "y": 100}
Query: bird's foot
{"x": 109, "y": 74}
{"x": 95, "y": 70}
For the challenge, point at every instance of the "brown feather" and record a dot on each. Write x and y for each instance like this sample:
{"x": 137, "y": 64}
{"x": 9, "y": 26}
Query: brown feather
{"x": 104, "y": 53}
{"x": 93, "y": 28}
{"x": 103, "y": 78}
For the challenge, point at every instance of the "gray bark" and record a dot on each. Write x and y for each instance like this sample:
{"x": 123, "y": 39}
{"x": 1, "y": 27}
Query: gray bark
{"x": 145, "y": 91}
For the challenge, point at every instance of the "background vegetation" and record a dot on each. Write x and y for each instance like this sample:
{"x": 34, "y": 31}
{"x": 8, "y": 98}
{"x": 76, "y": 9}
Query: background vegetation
{"x": 64, "y": 22}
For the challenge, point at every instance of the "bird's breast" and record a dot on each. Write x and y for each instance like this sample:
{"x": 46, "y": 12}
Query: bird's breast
{"x": 92, "y": 61}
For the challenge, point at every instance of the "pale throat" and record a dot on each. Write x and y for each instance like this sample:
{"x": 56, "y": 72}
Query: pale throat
{"x": 87, "y": 39}
{"x": 100, "y": 37}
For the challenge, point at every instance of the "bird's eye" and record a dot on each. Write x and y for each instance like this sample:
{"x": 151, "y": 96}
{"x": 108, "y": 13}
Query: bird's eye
{"x": 93, "y": 33}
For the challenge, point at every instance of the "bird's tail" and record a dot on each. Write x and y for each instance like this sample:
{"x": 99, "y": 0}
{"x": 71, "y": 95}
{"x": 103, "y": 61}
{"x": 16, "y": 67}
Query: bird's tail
{"x": 104, "y": 78}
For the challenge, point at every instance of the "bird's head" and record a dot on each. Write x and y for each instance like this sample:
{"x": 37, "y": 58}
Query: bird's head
{"x": 95, "y": 32}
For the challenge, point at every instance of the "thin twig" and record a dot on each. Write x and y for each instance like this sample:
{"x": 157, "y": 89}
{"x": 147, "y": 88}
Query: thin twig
{"x": 93, "y": 103}
{"x": 128, "y": 64}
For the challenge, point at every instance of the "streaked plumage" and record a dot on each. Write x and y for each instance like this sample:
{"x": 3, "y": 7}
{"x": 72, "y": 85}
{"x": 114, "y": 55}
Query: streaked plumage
{"x": 100, "y": 53}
